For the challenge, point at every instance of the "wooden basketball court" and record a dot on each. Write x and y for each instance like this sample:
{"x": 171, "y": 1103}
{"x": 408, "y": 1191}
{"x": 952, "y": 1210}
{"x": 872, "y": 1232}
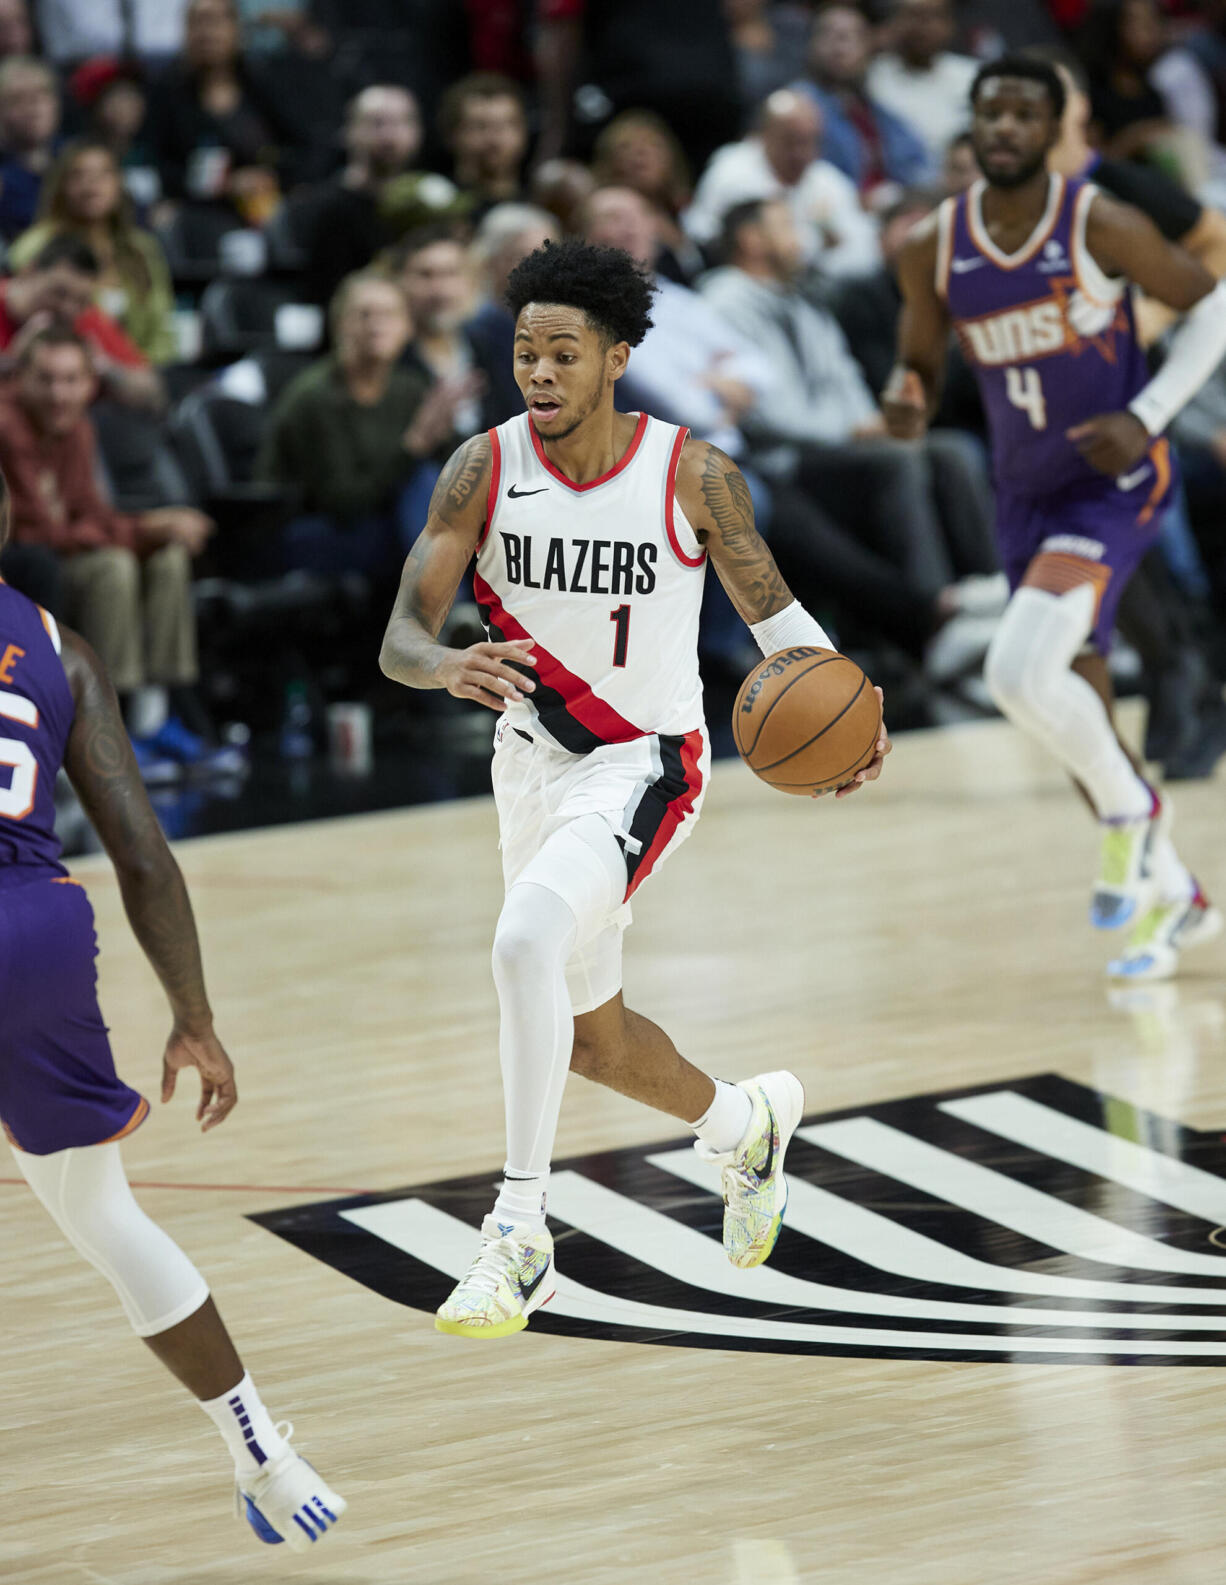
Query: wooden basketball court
{"x": 1012, "y": 1418}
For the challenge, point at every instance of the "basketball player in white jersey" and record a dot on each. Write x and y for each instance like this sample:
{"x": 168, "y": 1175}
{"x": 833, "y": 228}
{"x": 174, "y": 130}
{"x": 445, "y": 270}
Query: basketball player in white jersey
{"x": 591, "y": 531}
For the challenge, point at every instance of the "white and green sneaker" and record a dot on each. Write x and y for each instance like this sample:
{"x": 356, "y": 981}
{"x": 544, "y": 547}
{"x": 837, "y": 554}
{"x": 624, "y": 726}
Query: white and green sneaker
{"x": 512, "y": 1276}
{"x": 1161, "y": 934}
{"x": 1126, "y": 868}
{"x": 755, "y": 1189}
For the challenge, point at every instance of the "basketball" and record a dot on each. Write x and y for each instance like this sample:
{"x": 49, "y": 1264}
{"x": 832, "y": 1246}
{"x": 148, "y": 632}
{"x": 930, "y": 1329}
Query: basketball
{"x": 806, "y": 720}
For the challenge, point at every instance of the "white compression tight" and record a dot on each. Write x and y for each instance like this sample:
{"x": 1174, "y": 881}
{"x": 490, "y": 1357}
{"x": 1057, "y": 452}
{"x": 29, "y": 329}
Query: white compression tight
{"x": 561, "y": 900}
{"x": 1028, "y": 673}
{"x": 87, "y": 1194}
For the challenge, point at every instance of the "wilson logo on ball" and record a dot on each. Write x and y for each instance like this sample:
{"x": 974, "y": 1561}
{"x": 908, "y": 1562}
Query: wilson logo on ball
{"x": 806, "y": 720}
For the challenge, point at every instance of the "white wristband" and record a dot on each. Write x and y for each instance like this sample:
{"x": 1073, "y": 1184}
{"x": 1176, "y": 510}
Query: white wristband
{"x": 1198, "y": 345}
{"x": 787, "y": 628}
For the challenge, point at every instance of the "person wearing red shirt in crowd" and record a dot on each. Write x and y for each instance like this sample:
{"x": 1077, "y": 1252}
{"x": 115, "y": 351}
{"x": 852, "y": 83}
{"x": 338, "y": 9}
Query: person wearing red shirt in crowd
{"x": 124, "y": 579}
{"x": 57, "y": 288}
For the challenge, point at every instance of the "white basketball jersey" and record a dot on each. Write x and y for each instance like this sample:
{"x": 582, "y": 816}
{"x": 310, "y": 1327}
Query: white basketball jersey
{"x": 606, "y": 580}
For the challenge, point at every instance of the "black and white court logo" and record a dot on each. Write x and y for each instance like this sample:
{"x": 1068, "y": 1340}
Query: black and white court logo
{"x": 1034, "y": 1222}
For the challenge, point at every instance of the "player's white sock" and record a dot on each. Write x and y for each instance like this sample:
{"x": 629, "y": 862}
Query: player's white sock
{"x": 521, "y": 1199}
{"x": 1174, "y": 879}
{"x": 723, "y": 1124}
{"x": 1028, "y": 673}
{"x": 245, "y": 1426}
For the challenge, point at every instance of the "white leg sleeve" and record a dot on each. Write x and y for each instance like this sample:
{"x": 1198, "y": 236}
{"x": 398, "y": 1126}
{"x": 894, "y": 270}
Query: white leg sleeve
{"x": 87, "y": 1194}
{"x": 1028, "y": 674}
{"x": 563, "y": 898}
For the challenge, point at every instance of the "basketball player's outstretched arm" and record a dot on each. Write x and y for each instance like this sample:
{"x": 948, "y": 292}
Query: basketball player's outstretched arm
{"x": 914, "y": 388}
{"x": 102, "y": 768}
{"x": 411, "y": 653}
{"x": 1124, "y": 242}
{"x": 715, "y": 499}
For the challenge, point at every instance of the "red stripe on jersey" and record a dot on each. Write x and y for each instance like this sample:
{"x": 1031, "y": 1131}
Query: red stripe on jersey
{"x": 681, "y": 806}
{"x": 601, "y": 719}
{"x": 670, "y": 497}
{"x": 491, "y": 500}
{"x": 624, "y": 462}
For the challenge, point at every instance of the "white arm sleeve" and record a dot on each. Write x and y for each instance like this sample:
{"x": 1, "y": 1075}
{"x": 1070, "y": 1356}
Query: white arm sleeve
{"x": 787, "y": 628}
{"x": 1198, "y": 345}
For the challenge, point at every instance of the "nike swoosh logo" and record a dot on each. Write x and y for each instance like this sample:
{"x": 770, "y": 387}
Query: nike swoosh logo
{"x": 1127, "y": 481}
{"x": 527, "y": 1291}
{"x": 765, "y": 1171}
{"x": 963, "y": 266}
{"x": 516, "y": 495}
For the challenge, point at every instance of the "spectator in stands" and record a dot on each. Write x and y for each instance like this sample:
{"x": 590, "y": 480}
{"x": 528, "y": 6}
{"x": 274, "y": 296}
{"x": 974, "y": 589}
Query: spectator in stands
{"x": 124, "y": 580}
{"x": 355, "y": 435}
{"x": 508, "y": 234}
{"x": 782, "y": 159}
{"x": 84, "y": 197}
{"x": 433, "y": 270}
{"x": 674, "y": 58}
{"x": 919, "y": 78}
{"x": 864, "y": 139}
{"x": 217, "y": 125}
{"x": 382, "y": 141}
{"x": 768, "y": 40}
{"x": 76, "y": 30}
{"x": 638, "y": 151}
{"x": 1122, "y": 44}
{"x": 16, "y": 30}
{"x": 562, "y": 187}
{"x": 959, "y": 167}
{"x": 819, "y": 411}
{"x": 29, "y": 136}
{"x": 484, "y": 122}
{"x": 691, "y": 368}
{"x": 58, "y": 286}
{"x": 1200, "y": 432}
{"x": 1180, "y": 217}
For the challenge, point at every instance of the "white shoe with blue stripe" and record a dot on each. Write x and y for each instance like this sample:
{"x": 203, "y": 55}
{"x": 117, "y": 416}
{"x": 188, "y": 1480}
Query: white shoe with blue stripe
{"x": 288, "y": 1500}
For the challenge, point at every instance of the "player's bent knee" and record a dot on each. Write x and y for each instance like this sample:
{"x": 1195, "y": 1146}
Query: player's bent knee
{"x": 535, "y": 933}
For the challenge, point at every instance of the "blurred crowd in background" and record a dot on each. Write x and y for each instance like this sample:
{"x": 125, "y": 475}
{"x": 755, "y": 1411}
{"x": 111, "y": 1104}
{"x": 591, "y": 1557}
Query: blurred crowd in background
{"x": 254, "y": 264}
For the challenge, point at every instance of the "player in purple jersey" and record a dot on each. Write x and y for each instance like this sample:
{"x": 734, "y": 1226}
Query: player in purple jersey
{"x": 62, "y": 1105}
{"x": 1033, "y": 271}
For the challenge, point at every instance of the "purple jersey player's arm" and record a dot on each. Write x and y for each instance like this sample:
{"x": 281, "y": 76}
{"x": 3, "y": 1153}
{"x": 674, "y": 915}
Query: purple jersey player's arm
{"x": 914, "y": 387}
{"x": 411, "y": 653}
{"x": 99, "y": 761}
{"x": 712, "y": 493}
{"x": 1124, "y": 242}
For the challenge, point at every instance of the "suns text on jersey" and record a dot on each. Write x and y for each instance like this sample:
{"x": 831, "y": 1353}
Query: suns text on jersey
{"x": 1034, "y": 330}
{"x": 580, "y": 566}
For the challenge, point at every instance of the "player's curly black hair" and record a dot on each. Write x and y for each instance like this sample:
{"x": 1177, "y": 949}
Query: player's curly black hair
{"x": 610, "y": 288}
{"x": 1030, "y": 68}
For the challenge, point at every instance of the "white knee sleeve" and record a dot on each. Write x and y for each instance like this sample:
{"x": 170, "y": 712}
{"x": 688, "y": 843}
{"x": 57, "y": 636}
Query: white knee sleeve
{"x": 584, "y": 866}
{"x": 1028, "y": 675}
{"x": 87, "y": 1194}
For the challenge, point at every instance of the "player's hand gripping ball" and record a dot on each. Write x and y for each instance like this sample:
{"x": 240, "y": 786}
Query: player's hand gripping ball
{"x": 808, "y": 721}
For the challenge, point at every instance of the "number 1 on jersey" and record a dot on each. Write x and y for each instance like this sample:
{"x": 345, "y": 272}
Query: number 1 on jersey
{"x": 621, "y": 621}
{"x": 1024, "y": 389}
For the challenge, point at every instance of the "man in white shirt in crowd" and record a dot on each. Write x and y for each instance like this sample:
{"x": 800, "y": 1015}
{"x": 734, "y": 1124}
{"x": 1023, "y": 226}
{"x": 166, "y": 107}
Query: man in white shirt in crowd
{"x": 782, "y": 159}
{"x": 929, "y": 504}
{"x": 919, "y": 78}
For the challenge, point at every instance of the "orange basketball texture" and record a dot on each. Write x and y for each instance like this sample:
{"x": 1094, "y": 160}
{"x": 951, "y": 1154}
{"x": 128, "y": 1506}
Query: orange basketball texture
{"x": 806, "y": 719}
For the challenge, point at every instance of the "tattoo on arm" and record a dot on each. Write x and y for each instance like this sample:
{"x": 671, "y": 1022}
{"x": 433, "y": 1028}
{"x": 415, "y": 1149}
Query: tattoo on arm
{"x": 435, "y": 565}
{"x": 101, "y": 766}
{"x": 740, "y": 555}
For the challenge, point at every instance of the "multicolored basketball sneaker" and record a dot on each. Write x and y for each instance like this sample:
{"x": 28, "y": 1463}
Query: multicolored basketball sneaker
{"x": 755, "y": 1189}
{"x": 288, "y": 1500}
{"x": 1162, "y": 933}
{"x": 512, "y": 1276}
{"x": 1126, "y": 868}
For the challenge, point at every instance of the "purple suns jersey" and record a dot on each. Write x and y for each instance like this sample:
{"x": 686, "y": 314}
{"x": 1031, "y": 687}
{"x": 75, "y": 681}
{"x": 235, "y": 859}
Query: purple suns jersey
{"x": 36, "y": 716}
{"x": 1051, "y": 339}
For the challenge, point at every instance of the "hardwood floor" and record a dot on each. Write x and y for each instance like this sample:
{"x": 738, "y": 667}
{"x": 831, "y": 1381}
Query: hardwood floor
{"x": 925, "y": 939}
